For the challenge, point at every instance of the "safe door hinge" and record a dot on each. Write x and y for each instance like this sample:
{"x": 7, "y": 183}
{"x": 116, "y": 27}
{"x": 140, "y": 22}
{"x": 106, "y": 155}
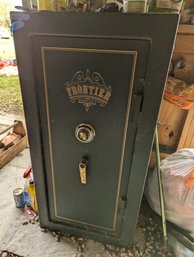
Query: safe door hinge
{"x": 141, "y": 91}
{"x": 122, "y": 208}
{"x": 136, "y": 110}
{"x": 122, "y": 203}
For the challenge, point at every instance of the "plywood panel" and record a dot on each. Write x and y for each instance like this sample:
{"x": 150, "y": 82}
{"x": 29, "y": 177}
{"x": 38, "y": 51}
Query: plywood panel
{"x": 186, "y": 29}
{"x": 187, "y": 73}
{"x": 189, "y": 3}
{"x": 184, "y": 44}
{"x": 187, "y": 136}
{"x": 171, "y": 124}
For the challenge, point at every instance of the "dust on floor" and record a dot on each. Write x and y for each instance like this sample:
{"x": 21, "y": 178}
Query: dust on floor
{"x": 18, "y": 237}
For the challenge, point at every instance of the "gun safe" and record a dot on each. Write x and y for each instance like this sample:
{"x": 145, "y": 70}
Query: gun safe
{"x": 92, "y": 84}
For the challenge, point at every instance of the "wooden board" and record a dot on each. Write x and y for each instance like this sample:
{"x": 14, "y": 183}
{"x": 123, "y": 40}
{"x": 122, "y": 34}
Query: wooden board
{"x": 187, "y": 73}
{"x": 186, "y": 29}
{"x": 11, "y": 152}
{"x": 171, "y": 123}
{"x": 187, "y": 136}
{"x": 189, "y": 3}
{"x": 184, "y": 44}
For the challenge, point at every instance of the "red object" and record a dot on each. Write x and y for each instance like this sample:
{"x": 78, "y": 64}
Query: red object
{"x": 190, "y": 181}
{"x": 3, "y": 63}
{"x": 27, "y": 172}
{"x": 30, "y": 214}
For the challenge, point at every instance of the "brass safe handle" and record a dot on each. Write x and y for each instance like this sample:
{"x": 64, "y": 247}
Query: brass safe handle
{"x": 85, "y": 133}
{"x": 83, "y": 171}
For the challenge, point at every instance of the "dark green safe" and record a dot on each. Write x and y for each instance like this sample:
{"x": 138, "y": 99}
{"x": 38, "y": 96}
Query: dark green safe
{"x": 92, "y": 86}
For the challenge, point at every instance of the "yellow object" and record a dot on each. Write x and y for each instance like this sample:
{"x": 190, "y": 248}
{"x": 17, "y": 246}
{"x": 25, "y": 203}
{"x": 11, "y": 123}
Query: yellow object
{"x": 45, "y": 5}
{"x": 179, "y": 93}
{"x": 61, "y": 5}
{"x": 32, "y": 195}
{"x": 82, "y": 170}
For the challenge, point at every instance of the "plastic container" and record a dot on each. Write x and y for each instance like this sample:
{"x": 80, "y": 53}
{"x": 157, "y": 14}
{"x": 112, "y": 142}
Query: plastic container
{"x": 32, "y": 195}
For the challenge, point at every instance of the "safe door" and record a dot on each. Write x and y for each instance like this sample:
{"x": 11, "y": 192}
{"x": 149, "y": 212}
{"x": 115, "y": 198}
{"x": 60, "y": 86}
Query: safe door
{"x": 88, "y": 99}
{"x": 90, "y": 85}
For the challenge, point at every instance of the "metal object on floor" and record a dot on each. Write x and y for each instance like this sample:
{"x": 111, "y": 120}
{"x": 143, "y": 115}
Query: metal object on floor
{"x": 161, "y": 193}
{"x": 105, "y": 72}
{"x": 18, "y": 194}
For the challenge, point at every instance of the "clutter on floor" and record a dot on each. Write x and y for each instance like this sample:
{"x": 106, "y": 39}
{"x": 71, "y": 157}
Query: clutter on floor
{"x": 8, "y": 67}
{"x": 181, "y": 241}
{"x": 20, "y": 226}
{"x": 178, "y": 184}
{"x": 177, "y": 172}
{"x": 13, "y": 140}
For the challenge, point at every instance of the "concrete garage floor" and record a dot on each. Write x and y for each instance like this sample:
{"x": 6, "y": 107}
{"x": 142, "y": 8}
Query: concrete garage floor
{"x": 28, "y": 240}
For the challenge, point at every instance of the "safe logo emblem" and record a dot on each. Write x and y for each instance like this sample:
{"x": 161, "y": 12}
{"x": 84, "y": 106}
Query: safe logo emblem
{"x": 88, "y": 89}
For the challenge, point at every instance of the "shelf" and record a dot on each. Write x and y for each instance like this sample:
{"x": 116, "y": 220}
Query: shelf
{"x": 186, "y": 29}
